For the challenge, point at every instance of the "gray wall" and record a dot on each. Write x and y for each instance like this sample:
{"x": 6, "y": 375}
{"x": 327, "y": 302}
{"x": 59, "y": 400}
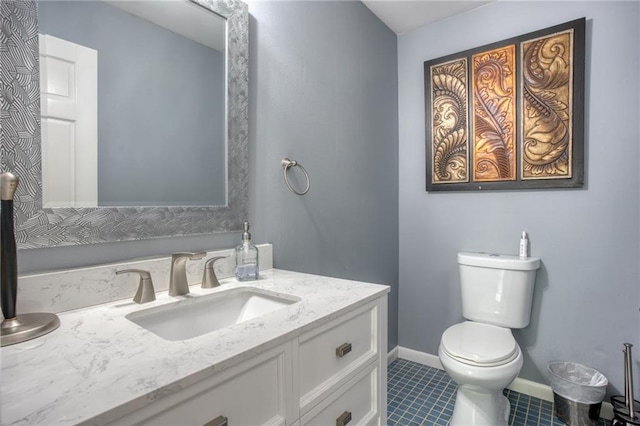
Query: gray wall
{"x": 160, "y": 106}
{"x": 323, "y": 90}
{"x": 324, "y": 93}
{"x": 586, "y": 297}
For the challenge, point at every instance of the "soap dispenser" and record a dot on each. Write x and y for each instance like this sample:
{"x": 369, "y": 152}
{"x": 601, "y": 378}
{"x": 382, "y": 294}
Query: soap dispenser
{"x": 247, "y": 266}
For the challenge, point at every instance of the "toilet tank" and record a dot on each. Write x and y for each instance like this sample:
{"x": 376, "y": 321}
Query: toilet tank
{"x": 497, "y": 289}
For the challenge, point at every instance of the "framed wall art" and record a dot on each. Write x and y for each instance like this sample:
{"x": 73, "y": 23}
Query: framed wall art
{"x": 509, "y": 115}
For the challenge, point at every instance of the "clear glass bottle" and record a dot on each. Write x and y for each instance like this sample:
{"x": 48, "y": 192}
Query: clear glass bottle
{"x": 247, "y": 265}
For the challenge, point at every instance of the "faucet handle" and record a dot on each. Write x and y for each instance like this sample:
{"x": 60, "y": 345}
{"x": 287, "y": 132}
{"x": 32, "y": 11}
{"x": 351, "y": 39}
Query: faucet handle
{"x": 209, "y": 279}
{"x": 146, "y": 292}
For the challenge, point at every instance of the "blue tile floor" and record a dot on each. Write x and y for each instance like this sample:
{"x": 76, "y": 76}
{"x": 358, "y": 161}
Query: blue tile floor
{"x": 421, "y": 395}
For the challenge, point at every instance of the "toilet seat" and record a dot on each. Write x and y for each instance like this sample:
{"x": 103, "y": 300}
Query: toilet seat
{"x": 478, "y": 344}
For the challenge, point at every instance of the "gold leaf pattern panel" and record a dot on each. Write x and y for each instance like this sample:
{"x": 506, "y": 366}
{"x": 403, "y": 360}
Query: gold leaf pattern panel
{"x": 547, "y": 73}
{"x": 494, "y": 115}
{"x": 449, "y": 122}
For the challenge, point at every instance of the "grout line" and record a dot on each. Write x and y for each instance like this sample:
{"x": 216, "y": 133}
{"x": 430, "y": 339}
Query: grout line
{"x": 454, "y": 392}
{"x": 526, "y": 417}
{"x": 434, "y": 406}
{"x": 514, "y": 407}
{"x": 539, "y": 414}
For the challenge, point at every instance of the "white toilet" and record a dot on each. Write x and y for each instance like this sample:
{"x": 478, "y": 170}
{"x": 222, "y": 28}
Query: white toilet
{"x": 481, "y": 355}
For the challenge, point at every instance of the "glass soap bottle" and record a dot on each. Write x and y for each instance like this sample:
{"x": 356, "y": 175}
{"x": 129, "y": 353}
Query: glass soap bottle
{"x": 247, "y": 266}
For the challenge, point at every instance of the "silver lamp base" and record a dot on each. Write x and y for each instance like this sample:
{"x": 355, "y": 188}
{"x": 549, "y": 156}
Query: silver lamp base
{"x": 26, "y": 327}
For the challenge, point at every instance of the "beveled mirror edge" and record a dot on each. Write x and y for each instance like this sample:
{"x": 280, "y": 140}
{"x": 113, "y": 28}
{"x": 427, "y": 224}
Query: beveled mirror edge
{"x": 20, "y": 146}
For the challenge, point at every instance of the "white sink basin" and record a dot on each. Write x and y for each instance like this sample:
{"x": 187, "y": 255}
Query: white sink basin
{"x": 200, "y": 315}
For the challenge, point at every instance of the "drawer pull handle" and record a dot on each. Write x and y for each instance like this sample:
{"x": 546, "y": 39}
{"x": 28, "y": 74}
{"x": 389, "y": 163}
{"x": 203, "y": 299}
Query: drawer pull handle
{"x": 343, "y": 419}
{"x": 342, "y": 350}
{"x": 218, "y": 421}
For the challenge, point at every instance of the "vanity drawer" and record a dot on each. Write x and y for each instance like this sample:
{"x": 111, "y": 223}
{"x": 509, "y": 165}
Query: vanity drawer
{"x": 252, "y": 393}
{"x": 329, "y": 355}
{"x": 353, "y": 404}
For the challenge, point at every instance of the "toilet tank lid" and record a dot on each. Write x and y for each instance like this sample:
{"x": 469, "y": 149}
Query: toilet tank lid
{"x": 498, "y": 261}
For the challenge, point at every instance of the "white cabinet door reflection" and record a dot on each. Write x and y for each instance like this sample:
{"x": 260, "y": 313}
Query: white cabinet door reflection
{"x": 69, "y": 113}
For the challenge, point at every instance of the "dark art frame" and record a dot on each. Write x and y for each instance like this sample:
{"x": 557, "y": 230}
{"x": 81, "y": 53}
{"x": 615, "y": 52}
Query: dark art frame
{"x": 577, "y": 109}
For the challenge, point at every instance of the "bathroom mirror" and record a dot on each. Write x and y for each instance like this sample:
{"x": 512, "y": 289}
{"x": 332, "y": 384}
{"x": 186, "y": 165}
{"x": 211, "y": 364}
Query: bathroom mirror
{"x": 39, "y": 225}
{"x": 145, "y": 81}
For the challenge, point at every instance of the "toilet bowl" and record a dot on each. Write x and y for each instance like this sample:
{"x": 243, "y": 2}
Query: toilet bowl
{"x": 482, "y": 359}
{"x": 480, "y": 354}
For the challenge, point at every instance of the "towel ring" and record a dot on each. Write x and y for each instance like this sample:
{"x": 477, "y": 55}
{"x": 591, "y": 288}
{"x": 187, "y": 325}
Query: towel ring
{"x": 286, "y": 165}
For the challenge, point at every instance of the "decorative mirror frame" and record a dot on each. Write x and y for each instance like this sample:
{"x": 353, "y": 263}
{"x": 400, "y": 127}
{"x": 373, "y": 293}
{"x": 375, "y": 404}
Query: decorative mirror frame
{"x": 20, "y": 145}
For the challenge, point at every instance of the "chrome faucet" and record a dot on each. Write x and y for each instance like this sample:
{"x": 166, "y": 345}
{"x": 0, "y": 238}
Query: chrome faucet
{"x": 178, "y": 284}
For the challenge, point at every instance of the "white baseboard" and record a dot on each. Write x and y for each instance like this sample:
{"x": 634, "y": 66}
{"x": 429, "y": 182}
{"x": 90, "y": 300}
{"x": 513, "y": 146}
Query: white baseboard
{"x": 420, "y": 357}
{"x": 527, "y": 387}
{"x": 531, "y": 388}
{"x": 392, "y": 355}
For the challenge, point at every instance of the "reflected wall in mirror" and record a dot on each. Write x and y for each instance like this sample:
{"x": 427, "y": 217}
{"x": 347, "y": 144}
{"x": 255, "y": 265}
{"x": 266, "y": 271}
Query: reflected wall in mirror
{"x": 20, "y": 143}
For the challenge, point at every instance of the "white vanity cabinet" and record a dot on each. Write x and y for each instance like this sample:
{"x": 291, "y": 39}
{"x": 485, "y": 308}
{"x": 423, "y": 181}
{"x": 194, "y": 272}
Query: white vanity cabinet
{"x": 255, "y": 392}
{"x": 334, "y": 373}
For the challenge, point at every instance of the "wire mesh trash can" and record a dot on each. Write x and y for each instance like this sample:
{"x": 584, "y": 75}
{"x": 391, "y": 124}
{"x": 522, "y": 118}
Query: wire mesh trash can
{"x": 578, "y": 392}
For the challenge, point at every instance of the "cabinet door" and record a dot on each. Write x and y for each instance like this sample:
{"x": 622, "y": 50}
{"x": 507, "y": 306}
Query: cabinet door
{"x": 252, "y": 393}
{"x": 331, "y": 354}
{"x": 355, "y": 403}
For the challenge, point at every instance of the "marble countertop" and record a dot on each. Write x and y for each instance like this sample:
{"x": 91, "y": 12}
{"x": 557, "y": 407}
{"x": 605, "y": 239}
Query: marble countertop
{"x": 99, "y": 365}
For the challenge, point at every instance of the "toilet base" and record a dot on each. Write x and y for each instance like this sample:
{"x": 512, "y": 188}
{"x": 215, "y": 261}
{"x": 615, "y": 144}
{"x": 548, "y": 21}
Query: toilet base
{"x": 480, "y": 408}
